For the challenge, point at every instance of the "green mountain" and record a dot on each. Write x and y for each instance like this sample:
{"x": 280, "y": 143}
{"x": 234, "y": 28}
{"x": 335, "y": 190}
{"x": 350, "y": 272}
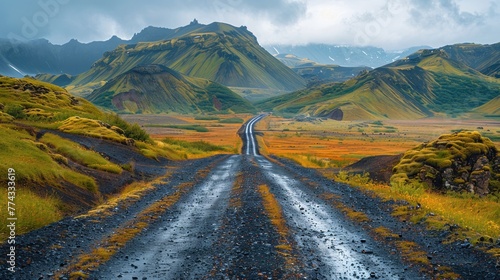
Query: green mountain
{"x": 425, "y": 84}
{"x": 490, "y": 109}
{"x": 219, "y": 52}
{"x": 483, "y": 58}
{"x": 156, "y": 89}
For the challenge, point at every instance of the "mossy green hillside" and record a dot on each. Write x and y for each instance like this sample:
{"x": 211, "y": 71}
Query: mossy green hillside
{"x": 53, "y": 172}
{"x": 79, "y": 153}
{"x": 158, "y": 89}
{"x": 33, "y": 100}
{"x": 218, "y": 52}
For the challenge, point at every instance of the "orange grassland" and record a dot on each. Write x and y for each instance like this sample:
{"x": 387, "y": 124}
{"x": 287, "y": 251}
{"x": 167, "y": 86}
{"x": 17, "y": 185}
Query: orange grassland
{"x": 221, "y": 134}
{"x": 330, "y": 143}
{"x": 318, "y": 143}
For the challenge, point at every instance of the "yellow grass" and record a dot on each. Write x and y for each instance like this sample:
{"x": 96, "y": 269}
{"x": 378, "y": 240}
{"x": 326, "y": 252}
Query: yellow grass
{"x": 275, "y": 214}
{"x": 354, "y": 215}
{"x": 326, "y": 144}
{"x": 480, "y": 216}
{"x": 236, "y": 192}
{"x": 411, "y": 251}
{"x": 26, "y": 203}
{"x": 130, "y": 193}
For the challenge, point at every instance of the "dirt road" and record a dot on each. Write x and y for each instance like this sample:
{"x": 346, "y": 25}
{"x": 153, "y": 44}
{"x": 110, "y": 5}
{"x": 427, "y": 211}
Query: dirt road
{"x": 244, "y": 217}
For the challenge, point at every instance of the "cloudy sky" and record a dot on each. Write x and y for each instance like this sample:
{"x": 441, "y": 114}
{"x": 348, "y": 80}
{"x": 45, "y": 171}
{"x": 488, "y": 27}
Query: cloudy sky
{"x": 391, "y": 24}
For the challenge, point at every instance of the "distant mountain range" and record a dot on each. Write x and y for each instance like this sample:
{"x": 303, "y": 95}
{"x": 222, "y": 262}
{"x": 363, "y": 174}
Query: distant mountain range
{"x": 346, "y": 56}
{"x": 315, "y": 73}
{"x": 198, "y": 68}
{"x": 448, "y": 81}
{"x": 74, "y": 57}
{"x": 156, "y": 89}
{"x": 19, "y": 58}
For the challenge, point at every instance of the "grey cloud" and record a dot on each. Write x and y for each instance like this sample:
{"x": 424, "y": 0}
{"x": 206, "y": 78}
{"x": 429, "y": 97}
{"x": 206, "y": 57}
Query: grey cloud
{"x": 79, "y": 19}
{"x": 380, "y": 21}
{"x": 284, "y": 12}
{"x": 441, "y": 12}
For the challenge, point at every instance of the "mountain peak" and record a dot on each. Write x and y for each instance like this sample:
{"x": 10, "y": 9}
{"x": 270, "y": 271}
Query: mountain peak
{"x": 194, "y": 22}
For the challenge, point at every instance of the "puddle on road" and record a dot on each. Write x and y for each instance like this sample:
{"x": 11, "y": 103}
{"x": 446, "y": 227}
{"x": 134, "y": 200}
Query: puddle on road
{"x": 337, "y": 252}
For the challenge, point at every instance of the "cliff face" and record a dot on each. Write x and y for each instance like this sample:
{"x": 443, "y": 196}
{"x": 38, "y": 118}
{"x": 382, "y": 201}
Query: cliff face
{"x": 462, "y": 162}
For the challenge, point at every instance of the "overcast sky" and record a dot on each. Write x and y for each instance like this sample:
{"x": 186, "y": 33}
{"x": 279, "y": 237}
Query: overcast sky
{"x": 391, "y": 24}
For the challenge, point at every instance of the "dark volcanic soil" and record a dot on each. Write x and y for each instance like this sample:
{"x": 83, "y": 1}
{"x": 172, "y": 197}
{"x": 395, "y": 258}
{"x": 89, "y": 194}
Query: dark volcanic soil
{"x": 378, "y": 167}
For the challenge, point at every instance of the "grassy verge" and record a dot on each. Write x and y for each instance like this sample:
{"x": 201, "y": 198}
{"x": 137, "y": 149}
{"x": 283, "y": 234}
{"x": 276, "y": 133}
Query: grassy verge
{"x": 26, "y": 203}
{"x": 79, "y": 154}
{"x": 479, "y": 218}
{"x": 410, "y": 251}
{"x": 194, "y": 127}
{"x": 275, "y": 214}
{"x": 232, "y": 120}
{"x": 196, "y": 149}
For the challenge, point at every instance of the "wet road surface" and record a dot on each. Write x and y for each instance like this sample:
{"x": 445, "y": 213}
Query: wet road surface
{"x": 245, "y": 216}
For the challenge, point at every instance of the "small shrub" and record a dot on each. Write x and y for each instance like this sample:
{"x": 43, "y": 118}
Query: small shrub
{"x": 232, "y": 120}
{"x": 128, "y": 166}
{"x": 136, "y": 132}
{"x": 15, "y": 110}
{"x": 60, "y": 159}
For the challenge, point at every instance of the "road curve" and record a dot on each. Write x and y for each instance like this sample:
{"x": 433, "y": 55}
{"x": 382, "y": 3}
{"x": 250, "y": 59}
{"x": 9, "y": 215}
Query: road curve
{"x": 250, "y": 145}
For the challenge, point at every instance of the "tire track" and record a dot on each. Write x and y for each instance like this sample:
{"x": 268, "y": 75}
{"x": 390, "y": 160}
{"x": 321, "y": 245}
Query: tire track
{"x": 179, "y": 247}
{"x": 248, "y": 246}
{"x": 331, "y": 248}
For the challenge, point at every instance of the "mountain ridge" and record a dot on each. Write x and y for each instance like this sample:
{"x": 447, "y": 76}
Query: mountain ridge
{"x": 219, "y": 52}
{"x": 428, "y": 83}
{"x": 71, "y": 58}
{"x": 158, "y": 89}
{"x": 343, "y": 55}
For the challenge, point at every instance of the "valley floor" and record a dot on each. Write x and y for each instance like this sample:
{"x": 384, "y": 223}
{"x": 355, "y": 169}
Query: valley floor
{"x": 245, "y": 216}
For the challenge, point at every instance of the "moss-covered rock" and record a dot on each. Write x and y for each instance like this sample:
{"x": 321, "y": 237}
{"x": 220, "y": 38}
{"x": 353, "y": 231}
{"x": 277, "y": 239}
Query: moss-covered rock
{"x": 463, "y": 161}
